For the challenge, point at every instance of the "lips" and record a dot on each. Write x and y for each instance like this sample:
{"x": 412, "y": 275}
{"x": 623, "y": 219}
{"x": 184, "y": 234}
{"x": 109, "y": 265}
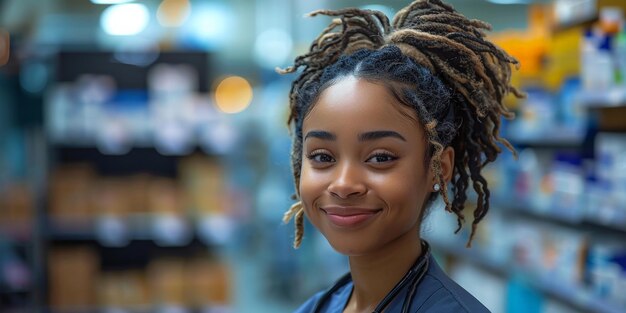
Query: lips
{"x": 348, "y": 217}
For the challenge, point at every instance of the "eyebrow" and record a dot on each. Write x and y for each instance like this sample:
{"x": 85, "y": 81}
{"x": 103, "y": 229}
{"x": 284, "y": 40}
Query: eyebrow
{"x": 324, "y": 135}
{"x": 375, "y": 135}
{"x": 368, "y": 136}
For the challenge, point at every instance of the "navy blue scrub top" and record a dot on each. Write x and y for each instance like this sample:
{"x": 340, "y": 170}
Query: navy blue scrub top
{"x": 436, "y": 293}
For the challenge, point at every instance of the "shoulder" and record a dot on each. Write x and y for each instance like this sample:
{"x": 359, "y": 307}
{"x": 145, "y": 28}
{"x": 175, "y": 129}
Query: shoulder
{"x": 443, "y": 295}
{"x": 308, "y": 306}
{"x": 334, "y": 299}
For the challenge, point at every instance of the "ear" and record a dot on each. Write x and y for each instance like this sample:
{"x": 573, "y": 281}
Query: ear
{"x": 447, "y": 166}
{"x": 447, "y": 163}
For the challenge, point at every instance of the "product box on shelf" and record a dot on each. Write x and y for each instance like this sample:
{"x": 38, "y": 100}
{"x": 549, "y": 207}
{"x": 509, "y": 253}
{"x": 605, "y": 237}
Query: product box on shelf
{"x": 165, "y": 197}
{"x": 610, "y": 182}
{"x": 17, "y": 205}
{"x": 201, "y": 282}
{"x": 70, "y": 193}
{"x": 123, "y": 289}
{"x": 210, "y": 283}
{"x": 111, "y": 197}
{"x": 167, "y": 281}
{"x": 204, "y": 183}
{"x": 568, "y": 181}
{"x": 606, "y": 271}
{"x": 72, "y": 273}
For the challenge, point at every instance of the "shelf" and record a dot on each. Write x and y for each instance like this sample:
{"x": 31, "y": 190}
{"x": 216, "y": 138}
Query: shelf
{"x": 194, "y": 146}
{"x": 615, "y": 223}
{"x": 555, "y": 138}
{"x": 577, "y": 296}
{"x": 612, "y": 98}
{"x": 7, "y": 291}
{"x": 119, "y": 232}
{"x": 617, "y": 226}
{"x": 583, "y": 23}
{"x": 166, "y": 231}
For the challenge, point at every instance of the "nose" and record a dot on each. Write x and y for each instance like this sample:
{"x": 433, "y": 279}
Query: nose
{"x": 347, "y": 181}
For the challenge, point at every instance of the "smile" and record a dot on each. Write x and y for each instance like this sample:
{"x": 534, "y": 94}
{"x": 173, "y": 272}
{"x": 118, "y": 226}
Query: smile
{"x": 349, "y": 217}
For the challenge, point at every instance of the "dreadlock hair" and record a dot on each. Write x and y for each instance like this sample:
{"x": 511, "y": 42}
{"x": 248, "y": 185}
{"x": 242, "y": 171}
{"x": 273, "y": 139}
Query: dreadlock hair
{"x": 432, "y": 59}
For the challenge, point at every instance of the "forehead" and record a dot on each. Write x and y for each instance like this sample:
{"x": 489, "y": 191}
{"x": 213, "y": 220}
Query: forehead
{"x": 361, "y": 105}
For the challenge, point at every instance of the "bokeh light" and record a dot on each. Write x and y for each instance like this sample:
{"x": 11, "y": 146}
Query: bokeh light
{"x": 210, "y": 25}
{"x": 173, "y": 13}
{"x": 125, "y": 19}
{"x": 233, "y": 94}
{"x": 272, "y": 48}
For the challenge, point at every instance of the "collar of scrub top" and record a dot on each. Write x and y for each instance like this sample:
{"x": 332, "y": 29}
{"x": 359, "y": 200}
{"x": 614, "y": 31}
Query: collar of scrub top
{"x": 412, "y": 278}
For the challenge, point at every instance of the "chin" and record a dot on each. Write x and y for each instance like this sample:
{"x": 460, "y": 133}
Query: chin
{"x": 349, "y": 246}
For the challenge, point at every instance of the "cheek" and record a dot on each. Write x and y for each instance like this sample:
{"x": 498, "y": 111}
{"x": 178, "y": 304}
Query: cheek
{"x": 311, "y": 186}
{"x": 403, "y": 191}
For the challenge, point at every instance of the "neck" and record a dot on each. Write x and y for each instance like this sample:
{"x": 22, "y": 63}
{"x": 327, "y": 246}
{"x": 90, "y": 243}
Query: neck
{"x": 374, "y": 275}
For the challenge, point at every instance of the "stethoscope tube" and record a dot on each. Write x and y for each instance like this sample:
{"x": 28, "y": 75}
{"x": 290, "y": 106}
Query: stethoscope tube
{"x": 414, "y": 276}
{"x": 406, "y": 306}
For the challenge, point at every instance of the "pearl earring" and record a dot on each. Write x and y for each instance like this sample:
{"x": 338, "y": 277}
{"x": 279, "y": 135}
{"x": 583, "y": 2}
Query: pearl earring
{"x": 436, "y": 187}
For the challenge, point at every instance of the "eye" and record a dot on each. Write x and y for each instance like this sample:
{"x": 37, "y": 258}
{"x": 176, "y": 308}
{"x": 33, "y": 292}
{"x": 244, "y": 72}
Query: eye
{"x": 382, "y": 157}
{"x": 320, "y": 157}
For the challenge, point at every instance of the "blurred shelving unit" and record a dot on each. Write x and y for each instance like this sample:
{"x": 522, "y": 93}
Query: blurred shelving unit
{"x": 125, "y": 204}
{"x": 591, "y": 223}
{"x": 129, "y": 220}
{"x": 554, "y": 221}
{"x": 115, "y": 247}
{"x": 577, "y": 296}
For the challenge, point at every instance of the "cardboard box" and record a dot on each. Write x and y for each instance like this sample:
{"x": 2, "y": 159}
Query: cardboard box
{"x": 72, "y": 275}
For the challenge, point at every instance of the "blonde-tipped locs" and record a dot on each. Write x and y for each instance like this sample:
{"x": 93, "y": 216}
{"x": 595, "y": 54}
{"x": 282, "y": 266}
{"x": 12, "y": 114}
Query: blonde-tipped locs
{"x": 296, "y": 211}
{"x": 448, "y": 71}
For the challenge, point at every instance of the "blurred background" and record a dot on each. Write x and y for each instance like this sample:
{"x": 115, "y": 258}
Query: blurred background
{"x": 144, "y": 159}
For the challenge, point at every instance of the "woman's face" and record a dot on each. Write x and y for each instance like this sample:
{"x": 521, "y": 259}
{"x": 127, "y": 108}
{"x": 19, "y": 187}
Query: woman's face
{"x": 363, "y": 181}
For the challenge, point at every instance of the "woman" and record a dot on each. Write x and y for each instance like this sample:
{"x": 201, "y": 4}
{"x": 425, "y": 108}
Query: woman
{"x": 384, "y": 116}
